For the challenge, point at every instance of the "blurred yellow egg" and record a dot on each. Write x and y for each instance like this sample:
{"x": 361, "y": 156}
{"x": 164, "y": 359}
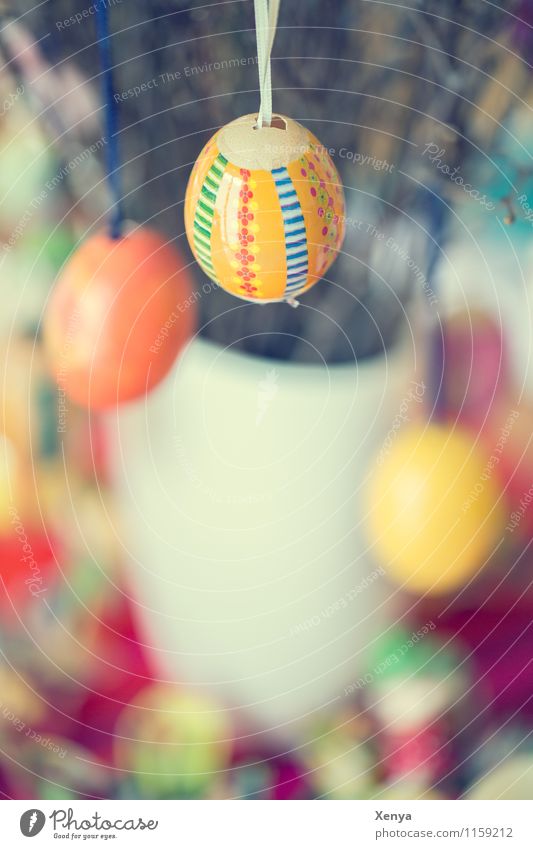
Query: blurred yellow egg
{"x": 434, "y": 509}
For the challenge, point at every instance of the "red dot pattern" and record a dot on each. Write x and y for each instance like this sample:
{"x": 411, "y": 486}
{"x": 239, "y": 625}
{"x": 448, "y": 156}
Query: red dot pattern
{"x": 322, "y": 175}
{"x": 245, "y": 256}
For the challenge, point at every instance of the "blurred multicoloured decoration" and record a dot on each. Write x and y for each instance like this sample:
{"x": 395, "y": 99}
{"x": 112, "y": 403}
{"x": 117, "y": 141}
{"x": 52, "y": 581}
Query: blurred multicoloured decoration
{"x": 417, "y": 699}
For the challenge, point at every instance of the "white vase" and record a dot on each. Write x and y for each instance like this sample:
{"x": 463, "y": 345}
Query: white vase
{"x": 240, "y": 485}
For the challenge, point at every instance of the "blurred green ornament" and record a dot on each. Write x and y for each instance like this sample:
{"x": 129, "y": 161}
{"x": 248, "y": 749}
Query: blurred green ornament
{"x": 400, "y": 653}
{"x": 172, "y": 743}
{"x": 49, "y": 247}
{"x": 48, "y": 791}
{"x": 26, "y": 167}
{"x": 415, "y": 679}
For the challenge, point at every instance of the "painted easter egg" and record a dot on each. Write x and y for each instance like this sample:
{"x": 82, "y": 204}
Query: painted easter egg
{"x": 264, "y": 209}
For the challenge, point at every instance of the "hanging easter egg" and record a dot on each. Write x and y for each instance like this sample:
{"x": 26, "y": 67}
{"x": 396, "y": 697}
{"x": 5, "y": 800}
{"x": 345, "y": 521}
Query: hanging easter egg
{"x": 264, "y": 209}
{"x": 117, "y": 318}
{"x": 435, "y": 514}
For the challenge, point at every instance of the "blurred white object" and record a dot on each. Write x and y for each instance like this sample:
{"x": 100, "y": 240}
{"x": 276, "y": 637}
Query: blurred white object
{"x": 240, "y": 485}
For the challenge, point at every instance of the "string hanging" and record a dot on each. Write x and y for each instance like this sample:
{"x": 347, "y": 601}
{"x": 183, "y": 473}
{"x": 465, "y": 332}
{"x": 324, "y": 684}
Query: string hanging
{"x": 111, "y": 120}
{"x": 266, "y": 19}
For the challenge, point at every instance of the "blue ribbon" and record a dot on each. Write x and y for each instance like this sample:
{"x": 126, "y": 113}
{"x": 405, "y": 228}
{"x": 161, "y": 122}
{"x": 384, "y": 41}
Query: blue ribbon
{"x": 111, "y": 120}
{"x": 437, "y": 220}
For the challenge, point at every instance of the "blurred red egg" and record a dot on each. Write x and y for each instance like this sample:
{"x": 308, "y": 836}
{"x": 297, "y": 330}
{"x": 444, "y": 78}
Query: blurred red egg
{"x": 475, "y": 366}
{"x": 119, "y": 314}
{"x": 28, "y": 568}
{"x": 508, "y": 435}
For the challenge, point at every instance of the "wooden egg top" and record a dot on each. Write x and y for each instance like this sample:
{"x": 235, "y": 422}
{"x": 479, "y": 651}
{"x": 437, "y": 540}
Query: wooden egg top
{"x": 246, "y": 145}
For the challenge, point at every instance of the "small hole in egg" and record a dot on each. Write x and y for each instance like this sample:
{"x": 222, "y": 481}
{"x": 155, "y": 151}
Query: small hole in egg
{"x": 278, "y": 123}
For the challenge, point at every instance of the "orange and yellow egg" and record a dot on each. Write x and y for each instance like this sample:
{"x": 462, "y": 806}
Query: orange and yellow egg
{"x": 264, "y": 209}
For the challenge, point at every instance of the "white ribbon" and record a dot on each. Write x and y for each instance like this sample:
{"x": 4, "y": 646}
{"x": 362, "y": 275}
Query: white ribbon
{"x": 266, "y": 19}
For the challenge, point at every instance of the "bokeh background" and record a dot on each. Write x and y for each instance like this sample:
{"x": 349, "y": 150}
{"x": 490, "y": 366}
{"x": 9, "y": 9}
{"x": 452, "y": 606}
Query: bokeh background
{"x": 128, "y": 667}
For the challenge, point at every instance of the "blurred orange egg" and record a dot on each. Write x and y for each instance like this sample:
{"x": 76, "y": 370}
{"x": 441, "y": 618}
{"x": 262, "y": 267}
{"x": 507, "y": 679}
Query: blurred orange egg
{"x": 119, "y": 314}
